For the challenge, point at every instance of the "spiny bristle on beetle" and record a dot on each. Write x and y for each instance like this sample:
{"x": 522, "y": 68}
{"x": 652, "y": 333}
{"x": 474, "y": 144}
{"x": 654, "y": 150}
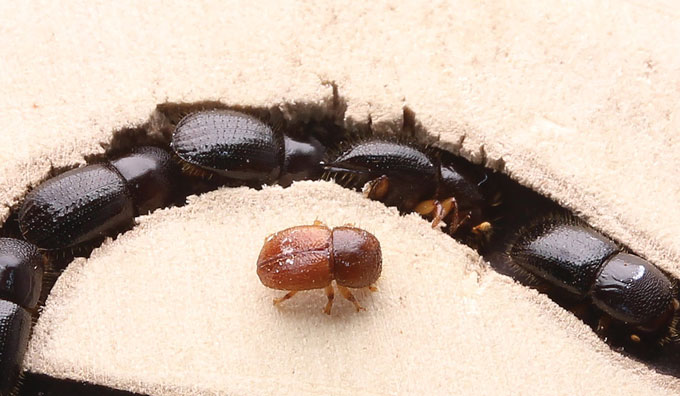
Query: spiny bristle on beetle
{"x": 340, "y": 176}
{"x": 195, "y": 171}
{"x": 369, "y": 136}
{"x": 19, "y": 384}
{"x": 346, "y": 179}
{"x": 673, "y": 334}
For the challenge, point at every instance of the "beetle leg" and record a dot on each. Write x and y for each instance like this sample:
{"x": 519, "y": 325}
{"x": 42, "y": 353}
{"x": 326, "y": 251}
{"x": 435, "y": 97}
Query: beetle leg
{"x": 438, "y": 210}
{"x": 429, "y": 207}
{"x": 377, "y": 189}
{"x": 435, "y": 208}
{"x": 456, "y": 221}
{"x": 286, "y": 297}
{"x": 330, "y": 294}
{"x": 448, "y": 205}
{"x": 350, "y": 297}
{"x": 454, "y": 226}
{"x": 372, "y": 288}
{"x": 482, "y": 231}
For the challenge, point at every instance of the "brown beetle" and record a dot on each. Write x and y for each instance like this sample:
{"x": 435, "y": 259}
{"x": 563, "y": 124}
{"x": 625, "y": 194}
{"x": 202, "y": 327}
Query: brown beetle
{"x": 312, "y": 256}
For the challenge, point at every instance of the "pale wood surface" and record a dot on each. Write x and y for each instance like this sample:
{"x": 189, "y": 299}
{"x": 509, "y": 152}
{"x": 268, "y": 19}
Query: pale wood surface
{"x": 576, "y": 100}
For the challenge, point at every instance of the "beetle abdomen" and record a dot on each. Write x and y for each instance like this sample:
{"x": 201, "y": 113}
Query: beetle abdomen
{"x": 563, "y": 252}
{"x": 229, "y": 143}
{"x": 297, "y": 258}
{"x": 21, "y": 272}
{"x": 76, "y": 206}
{"x": 15, "y": 327}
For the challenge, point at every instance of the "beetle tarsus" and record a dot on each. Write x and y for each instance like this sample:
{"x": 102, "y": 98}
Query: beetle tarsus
{"x": 286, "y": 297}
{"x": 350, "y": 297}
{"x": 439, "y": 210}
{"x": 330, "y": 294}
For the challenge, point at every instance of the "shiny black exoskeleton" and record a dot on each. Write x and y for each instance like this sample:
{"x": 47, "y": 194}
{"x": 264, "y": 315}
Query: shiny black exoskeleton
{"x": 15, "y": 328}
{"x": 97, "y": 200}
{"x": 241, "y": 147}
{"x": 21, "y": 274}
{"x": 413, "y": 179}
{"x": 567, "y": 254}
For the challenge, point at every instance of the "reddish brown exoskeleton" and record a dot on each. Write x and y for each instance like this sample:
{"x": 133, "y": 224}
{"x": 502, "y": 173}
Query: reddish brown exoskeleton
{"x": 313, "y": 256}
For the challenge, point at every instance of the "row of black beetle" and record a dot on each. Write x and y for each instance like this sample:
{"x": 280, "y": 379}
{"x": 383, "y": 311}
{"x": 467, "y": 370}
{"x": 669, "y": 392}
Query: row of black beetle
{"x": 98, "y": 200}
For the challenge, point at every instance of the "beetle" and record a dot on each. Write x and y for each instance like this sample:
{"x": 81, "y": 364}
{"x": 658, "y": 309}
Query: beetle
{"x": 97, "y": 200}
{"x": 313, "y": 256}
{"x": 566, "y": 253}
{"x": 412, "y": 179}
{"x": 240, "y": 147}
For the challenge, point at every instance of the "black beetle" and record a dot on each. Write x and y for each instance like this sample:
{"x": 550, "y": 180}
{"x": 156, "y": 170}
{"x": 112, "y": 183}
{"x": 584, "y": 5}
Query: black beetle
{"x": 413, "y": 179}
{"x": 568, "y": 254}
{"x": 97, "y": 200}
{"x": 241, "y": 147}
